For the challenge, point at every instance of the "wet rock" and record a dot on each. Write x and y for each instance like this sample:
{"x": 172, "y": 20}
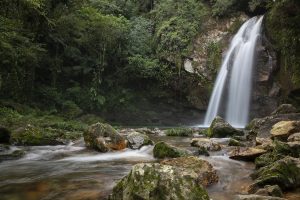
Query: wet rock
{"x": 137, "y": 140}
{"x": 263, "y": 126}
{"x": 205, "y": 143}
{"x": 246, "y": 154}
{"x": 206, "y": 174}
{"x": 285, "y": 173}
{"x": 283, "y": 129}
{"x": 270, "y": 190}
{"x": 164, "y": 150}
{"x": 150, "y": 181}
{"x": 4, "y": 135}
{"x": 285, "y": 109}
{"x": 16, "y": 154}
{"x": 103, "y": 138}
{"x": 264, "y": 143}
{"x": 233, "y": 142}
{"x": 4, "y": 147}
{"x": 35, "y": 136}
{"x": 294, "y": 137}
{"x": 256, "y": 197}
{"x": 220, "y": 128}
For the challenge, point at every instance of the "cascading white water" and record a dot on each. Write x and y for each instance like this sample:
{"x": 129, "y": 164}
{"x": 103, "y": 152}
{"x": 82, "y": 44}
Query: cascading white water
{"x": 237, "y": 66}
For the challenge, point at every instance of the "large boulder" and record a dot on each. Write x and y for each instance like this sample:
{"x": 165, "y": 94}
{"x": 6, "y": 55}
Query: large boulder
{"x": 285, "y": 109}
{"x": 152, "y": 181}
{"x": 205, "y": 143}
{"x": 137, "y": 140}
{"x": 283, "y": 129}
{"x": 4, "y": 135}
{"x": 246, "y": 154}
{"x": 263, "y": 126}
{"x": 285, "y": 173}
{"x": 103, "y": 138}
{"x": 35, "y": 136}
{"x": 164, "y": 150}
{"x": 219, "y": 128}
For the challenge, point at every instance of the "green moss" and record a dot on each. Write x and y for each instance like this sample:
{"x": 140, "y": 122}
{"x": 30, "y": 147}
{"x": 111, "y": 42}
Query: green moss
{"x": 181, "y": 132}
{"x": 164, "y": 150}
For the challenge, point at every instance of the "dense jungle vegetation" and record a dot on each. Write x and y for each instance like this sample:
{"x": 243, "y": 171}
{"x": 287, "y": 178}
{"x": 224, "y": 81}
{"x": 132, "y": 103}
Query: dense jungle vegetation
{"x": 71, "y": 57}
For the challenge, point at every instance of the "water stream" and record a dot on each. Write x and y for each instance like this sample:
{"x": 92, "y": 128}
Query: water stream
{"x": 73, "y": 172}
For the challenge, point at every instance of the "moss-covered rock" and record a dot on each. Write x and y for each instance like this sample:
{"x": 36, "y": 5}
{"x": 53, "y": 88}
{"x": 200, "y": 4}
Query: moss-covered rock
{"x": 181, "y": 132}
{"x": 153, "y": 181}
{"x": 35, "y": 136}
{"x": 137, "y": 140}
{"x": 164, "y": 150}
{"x": 220, "y": 128}
{"x": 285, "y": 173}
{"x": 103, "y": 138}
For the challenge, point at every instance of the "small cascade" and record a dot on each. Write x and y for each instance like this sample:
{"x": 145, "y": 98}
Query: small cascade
{"x": 236, "y": 70}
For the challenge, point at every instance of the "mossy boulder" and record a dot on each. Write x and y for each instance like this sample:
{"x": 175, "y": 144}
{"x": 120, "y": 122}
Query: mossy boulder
{"x": 285, "y": 109}
{"x": 283, "y": 129}
{"x": 35, "y": 136}
{"x": 285, "y": 173}
{"x": 205, "y": 143}
{"x": 103, "y": 137}
{"x": 219, "y": 128}
{"x": 181, "y": 132}
{"x": 137, "y": 140}
{"x": 164, "y": 150}
{"x": 4, "y": 135}
{"x": 153, "y": 181}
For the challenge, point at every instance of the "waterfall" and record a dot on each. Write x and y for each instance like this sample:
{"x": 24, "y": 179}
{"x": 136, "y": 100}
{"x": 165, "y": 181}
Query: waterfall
{"x": 236, "y": 70}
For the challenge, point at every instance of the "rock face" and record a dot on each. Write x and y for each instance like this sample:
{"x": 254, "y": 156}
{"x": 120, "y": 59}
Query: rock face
{"x": 207, "y": 175}
{"x": 285, "y": 173}
{"x": 282, "y": 130}
{"x": 137, "y": 140}
{"x": 205, "y": 143}
{"x": 4, "y": 135}
{"x": 220, "y": 128}
{"x": 246, "y": 154}
{"x": 164, "y": 150}
{"x": 153, "y": 181}
{"x": 103, "y": 138}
